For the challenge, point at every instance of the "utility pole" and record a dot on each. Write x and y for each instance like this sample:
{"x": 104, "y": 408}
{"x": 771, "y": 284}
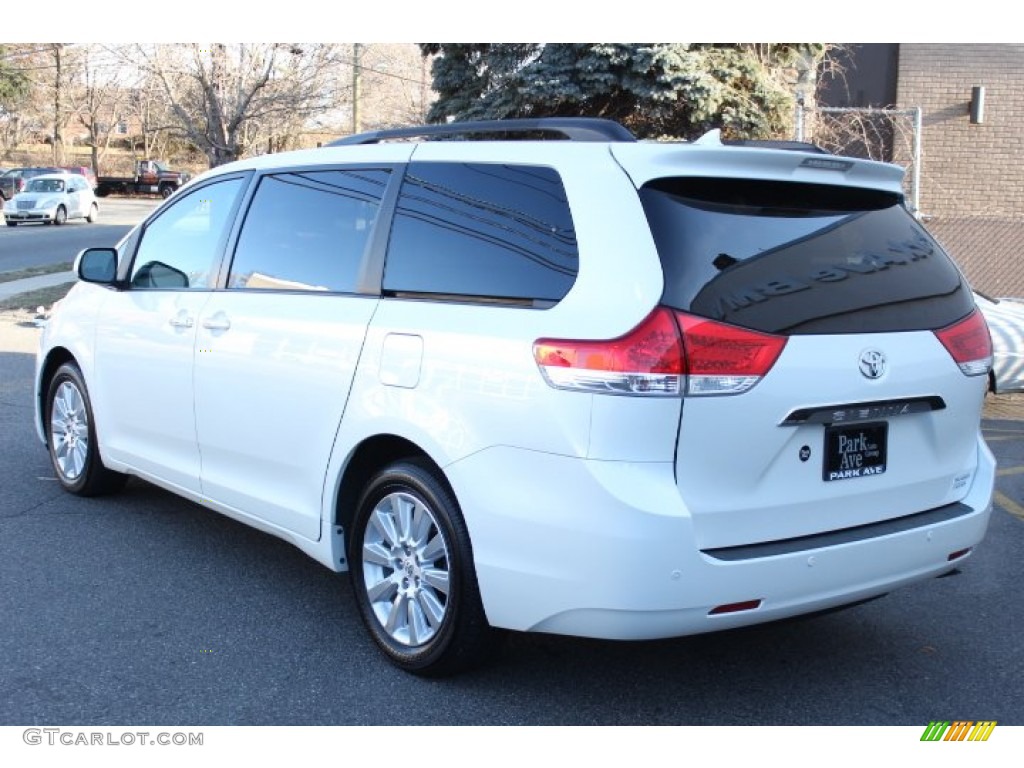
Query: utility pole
{"x": 357, "y": 54}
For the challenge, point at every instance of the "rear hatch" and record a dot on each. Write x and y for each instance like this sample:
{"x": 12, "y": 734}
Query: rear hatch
{"x": 851, "y": 386}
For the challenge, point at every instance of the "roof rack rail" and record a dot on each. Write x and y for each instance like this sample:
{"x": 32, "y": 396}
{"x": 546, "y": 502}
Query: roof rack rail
{"x": 572, "y": 128}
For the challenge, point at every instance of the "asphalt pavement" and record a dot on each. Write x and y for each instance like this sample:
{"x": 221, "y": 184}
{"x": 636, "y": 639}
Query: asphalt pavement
{"x": 142, "y": 608}
{"x": 34, "y": 245}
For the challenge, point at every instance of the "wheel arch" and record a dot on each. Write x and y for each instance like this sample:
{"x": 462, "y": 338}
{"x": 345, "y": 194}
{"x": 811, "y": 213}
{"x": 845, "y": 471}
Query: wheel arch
{"x": 369, "y": 457}
{"x": 55, "y": 358}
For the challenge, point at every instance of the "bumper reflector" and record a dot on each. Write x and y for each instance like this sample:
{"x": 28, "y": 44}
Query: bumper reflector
{"x": 746, "y": 605}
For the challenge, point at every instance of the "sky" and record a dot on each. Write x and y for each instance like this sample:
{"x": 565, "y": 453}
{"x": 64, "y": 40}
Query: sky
{"x": 514, "y": 21}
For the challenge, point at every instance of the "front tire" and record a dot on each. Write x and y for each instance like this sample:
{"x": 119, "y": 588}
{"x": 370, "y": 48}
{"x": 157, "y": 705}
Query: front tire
{"x": 94, "y": 213}
{"x": 71, "y": 437}
{"x": 413, "y": 575}
{"x": 166, "y": 191}
{"x": 60, "y": 216}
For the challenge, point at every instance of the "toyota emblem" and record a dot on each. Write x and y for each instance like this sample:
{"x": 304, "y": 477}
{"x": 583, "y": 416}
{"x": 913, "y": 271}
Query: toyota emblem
{"x": 872, "y": 363}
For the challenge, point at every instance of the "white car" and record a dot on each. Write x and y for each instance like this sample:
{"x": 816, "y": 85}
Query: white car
{"x": 594, "y": 387}
{"x": 52, "y": 198}
{"x": 1005, "y": 318}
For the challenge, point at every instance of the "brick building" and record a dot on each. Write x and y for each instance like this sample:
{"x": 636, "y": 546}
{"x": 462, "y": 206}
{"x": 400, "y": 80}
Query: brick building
{"x": 972, "y": 170}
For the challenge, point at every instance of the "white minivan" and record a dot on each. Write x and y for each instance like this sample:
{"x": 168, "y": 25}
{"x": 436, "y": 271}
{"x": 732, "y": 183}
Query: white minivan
{"x": 589, "y": 386}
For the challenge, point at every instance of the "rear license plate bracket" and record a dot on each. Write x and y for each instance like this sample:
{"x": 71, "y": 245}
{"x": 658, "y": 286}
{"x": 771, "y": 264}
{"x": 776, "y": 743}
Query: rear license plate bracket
{"x": 855, "y": 450}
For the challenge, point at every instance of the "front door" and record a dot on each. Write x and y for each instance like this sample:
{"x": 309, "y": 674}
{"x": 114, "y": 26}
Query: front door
{"x": 145, "y": 348}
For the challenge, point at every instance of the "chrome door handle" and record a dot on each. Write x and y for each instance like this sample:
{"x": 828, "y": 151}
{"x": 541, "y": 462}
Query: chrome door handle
{"x": 218, "y": 322}
{"x": 181, "y": 321}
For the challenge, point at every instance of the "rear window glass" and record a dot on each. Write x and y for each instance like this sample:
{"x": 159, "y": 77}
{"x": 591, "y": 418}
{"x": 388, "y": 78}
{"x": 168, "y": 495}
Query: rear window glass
{"x": 799, "y": 258}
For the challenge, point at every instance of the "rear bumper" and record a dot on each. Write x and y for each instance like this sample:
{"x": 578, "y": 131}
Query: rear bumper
{"x": 607, "y": 549}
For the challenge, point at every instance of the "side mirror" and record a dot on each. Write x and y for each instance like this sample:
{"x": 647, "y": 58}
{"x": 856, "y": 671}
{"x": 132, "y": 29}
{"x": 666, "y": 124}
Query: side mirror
{"x": 156, "y": 274}
{"x": 97, "y": 265}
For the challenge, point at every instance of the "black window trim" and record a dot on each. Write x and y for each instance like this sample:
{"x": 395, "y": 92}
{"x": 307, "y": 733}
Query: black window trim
{"x": 470, "y": 299}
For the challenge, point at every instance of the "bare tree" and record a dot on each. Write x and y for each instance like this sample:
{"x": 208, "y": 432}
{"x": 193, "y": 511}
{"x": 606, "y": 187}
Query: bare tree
{"x": 42, "y": 109}
{"x": 395, "y": 85}
{"x": 224, "y": 97}
{"x": 59, "y": 111}
{"x": 99, "y": 98}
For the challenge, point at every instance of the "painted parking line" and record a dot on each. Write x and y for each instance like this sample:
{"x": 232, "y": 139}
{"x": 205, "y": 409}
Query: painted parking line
{"x": 1004, "y": 501}
{"x": 1010, "y": 505}
{"x": 998, "y": 438}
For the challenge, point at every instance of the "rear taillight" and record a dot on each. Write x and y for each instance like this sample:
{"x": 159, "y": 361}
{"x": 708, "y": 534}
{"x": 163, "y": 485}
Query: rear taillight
{"x": 723, "y": 359}
{"x": 646, "y": 361}
{"x": 969, "y": 343}
{"x": 668, "y": 354}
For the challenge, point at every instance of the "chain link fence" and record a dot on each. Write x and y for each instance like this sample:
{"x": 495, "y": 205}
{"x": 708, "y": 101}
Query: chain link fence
{"x": 886, "y": 135}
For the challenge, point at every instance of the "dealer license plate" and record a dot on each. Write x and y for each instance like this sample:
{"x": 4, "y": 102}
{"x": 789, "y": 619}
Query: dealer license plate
{"x": 855, "y": 451}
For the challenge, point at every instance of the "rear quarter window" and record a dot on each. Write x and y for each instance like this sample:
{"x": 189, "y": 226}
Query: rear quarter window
{"x": 476, "y": 231}
{"x": 798, "y": 258}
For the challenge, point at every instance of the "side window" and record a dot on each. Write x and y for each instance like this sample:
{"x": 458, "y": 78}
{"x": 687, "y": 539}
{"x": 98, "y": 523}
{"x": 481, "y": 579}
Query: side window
{"x": 181, "y": 248}
{"x": 308, "y": 231}
{"x": 482, "y": 231}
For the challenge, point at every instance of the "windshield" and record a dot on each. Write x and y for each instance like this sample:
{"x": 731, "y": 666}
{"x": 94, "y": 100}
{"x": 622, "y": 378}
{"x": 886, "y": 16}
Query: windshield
{"x": 45, "y": 185}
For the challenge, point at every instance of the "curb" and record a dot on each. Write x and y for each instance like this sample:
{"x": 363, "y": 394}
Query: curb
{"x": 15, "y": 287}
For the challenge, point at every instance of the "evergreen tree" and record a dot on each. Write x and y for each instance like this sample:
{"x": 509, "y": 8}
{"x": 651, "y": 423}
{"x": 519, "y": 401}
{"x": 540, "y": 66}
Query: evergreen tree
{"x": 13, "y": 83}
{"x": 656, "y": 90}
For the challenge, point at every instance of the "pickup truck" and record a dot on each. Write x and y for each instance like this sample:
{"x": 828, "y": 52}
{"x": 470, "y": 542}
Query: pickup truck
{"x": 151, "y": 178}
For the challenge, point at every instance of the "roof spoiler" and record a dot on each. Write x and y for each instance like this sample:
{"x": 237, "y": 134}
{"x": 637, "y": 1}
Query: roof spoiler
{"x": 714, "y": 138}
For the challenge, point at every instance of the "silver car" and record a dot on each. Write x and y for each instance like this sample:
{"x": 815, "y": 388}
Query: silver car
{"x": 53, "y": 199}
{"x": 1005, "y": 318}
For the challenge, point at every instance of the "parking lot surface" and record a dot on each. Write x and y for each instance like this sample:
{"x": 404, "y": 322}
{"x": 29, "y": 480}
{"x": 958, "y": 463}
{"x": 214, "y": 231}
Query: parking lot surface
{"x": 142, "y": 608}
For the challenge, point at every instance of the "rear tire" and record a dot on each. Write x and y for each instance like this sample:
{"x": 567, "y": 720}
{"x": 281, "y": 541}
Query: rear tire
{"x": 12, "y": 223}
{"x": 71, "y": 437}
{"x": 413, "y": 575}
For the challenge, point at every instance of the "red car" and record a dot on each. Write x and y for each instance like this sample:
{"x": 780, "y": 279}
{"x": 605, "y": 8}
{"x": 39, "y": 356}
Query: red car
{"x": 82, "y": 170}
